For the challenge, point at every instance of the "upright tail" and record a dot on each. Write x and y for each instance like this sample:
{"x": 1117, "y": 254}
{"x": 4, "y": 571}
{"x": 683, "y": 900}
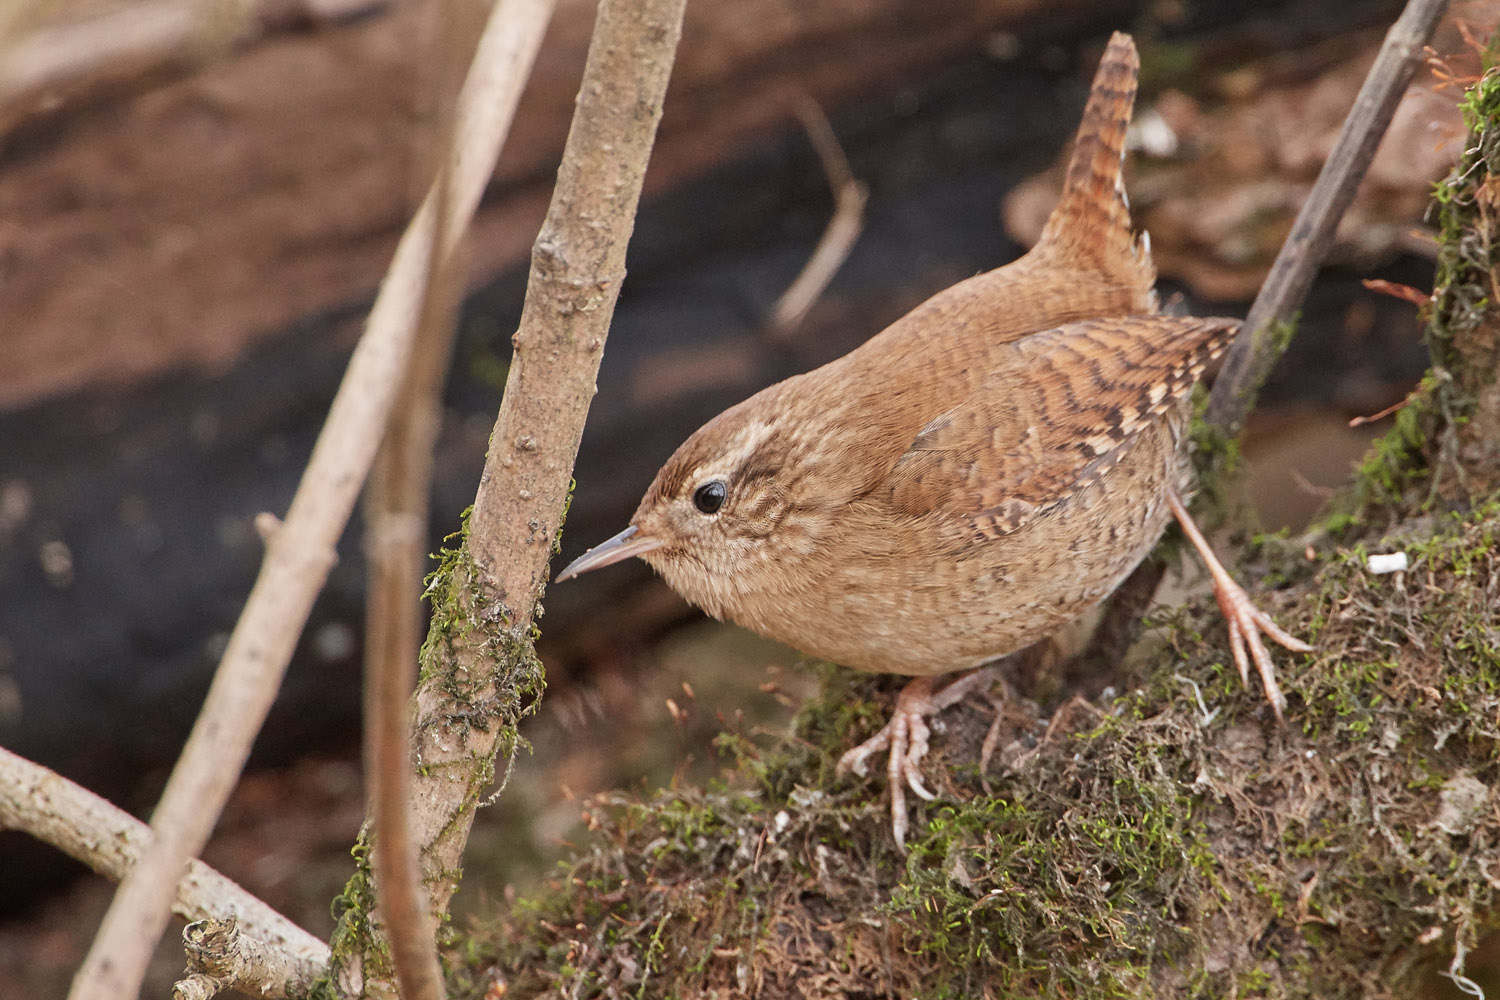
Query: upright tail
{"x": 1092, "y": 221}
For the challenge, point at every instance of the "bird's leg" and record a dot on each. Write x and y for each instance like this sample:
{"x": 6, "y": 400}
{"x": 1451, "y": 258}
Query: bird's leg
{"x": 906, "y": 736}
{"x": 1244, "y": 619}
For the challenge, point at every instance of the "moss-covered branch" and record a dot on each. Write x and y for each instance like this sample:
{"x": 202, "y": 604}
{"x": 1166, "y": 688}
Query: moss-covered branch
{"x": 479, "y": 674}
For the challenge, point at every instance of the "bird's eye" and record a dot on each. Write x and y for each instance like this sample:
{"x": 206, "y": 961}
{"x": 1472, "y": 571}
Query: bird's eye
{"x": 709, "y": 497}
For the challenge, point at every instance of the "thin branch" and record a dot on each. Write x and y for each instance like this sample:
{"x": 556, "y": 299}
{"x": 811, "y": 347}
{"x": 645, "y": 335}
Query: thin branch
{"x": 578, "y": 265}
{"x": 301, "y": 551}
{"x": 395, "y": 540}
{"x": 1258, "y": 347}
{"x": 396, "y": 515}
{"x": 109, "y": 840}
{"x": 843, "y": 228}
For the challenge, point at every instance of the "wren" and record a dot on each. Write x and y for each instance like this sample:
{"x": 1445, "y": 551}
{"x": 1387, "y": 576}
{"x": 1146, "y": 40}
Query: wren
{"x": 982, "y": 472}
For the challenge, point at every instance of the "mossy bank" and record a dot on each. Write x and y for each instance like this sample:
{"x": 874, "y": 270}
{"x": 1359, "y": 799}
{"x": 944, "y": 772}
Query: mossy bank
{"x": 1173, "y": 841}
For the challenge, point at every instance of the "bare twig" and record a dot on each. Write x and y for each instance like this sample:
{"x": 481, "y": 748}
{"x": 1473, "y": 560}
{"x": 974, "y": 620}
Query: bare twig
{"x": 109, "y": 840}
{"x": 577, "y": 267}
{"x": 301, "y": 552}
{"x": 396, "y": 508}
{"x": 1258, "y": 347}
{"x": 395, "y": 536}
{"x": 576, "y": 272}
{"x": 843, "y": 228}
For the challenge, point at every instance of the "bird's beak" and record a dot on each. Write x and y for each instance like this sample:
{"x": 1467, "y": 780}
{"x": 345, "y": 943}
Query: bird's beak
{"x": 624, "y": 545}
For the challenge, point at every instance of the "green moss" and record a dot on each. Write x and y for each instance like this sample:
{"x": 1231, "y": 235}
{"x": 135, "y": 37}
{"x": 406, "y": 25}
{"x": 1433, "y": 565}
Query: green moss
{"x": 1417, "y": 463}
{"x": 1397, "y": 464}
{"x": 1171, "y": 842}
{"x": 468, "y": 624}
{"x": 562, "y": 521}
{"x": 969, "y": 893}
{"x": 1142, "y": 849}
{"x": 1216, "y": 460}
{"x": 486, "y": 669}
{"x": 1466, "y": 258}
{"x": 354, "y": 936}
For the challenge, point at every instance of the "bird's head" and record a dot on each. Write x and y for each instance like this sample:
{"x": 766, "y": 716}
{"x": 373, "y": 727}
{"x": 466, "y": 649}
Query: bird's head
{"x": 719, "y": 522}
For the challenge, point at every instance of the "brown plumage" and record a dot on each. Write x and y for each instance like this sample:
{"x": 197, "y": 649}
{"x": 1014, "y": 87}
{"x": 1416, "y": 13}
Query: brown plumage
{"x": 986, "y": 469}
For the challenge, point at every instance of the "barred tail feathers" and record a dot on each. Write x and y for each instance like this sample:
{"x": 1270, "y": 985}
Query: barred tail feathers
{"x": 1092, "y": 220}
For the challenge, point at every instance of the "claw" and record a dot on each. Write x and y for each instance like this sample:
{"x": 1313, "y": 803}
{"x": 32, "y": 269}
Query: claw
{"x": 858, "y": 759}
{"x": 1246, "y": 622}
{"x": 906, "y": 736}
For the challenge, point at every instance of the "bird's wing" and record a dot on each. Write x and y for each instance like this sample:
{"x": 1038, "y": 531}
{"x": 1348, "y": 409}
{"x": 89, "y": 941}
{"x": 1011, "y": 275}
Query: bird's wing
{"x": 1055, "y": 414}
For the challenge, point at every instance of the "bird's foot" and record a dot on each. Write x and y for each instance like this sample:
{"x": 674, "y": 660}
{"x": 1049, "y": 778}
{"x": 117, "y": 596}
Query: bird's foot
{"x": 1245, "y": 620}
{"x": 906, "y": 737}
